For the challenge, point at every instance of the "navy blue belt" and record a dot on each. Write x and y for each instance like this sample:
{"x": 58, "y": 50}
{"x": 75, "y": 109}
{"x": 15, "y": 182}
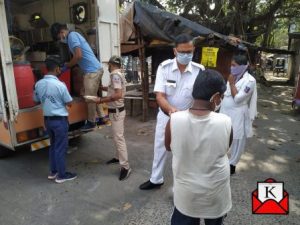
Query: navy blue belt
{"x": 55, "y": 117}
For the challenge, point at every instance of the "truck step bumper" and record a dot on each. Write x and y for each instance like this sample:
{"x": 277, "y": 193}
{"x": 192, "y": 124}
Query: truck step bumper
{"x": 40, "y": 144}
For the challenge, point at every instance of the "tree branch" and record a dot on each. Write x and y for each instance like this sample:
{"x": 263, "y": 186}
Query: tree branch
{"x": 270, "y": 13}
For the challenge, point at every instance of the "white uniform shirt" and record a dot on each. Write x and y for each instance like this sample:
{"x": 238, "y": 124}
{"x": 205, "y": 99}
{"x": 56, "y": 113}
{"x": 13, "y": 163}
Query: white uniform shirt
{"x": 177, "y": 87}
{"x": 242, "y": 108}
{"x": 200, "y": 164}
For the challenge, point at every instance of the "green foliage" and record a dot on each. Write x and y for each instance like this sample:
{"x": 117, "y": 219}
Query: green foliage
{"x": 266, "y": 21}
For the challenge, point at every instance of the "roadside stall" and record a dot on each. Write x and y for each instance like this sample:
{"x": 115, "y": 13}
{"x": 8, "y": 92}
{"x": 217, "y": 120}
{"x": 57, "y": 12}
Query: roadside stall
{"x": 148, "y": 32}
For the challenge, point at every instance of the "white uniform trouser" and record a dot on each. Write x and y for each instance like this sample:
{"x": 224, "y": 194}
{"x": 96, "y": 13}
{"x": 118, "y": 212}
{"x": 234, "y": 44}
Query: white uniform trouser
{"x": 236, "y": 150}
{"x": 160, "y": 153}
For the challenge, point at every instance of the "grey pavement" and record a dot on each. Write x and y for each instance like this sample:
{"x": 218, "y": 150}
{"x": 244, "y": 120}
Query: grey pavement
{"x": 97, "y": 197}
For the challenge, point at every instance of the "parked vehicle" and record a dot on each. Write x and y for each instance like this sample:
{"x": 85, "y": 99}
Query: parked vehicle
{"x": 280, "y": 66}
{"x": 21, "y": 120}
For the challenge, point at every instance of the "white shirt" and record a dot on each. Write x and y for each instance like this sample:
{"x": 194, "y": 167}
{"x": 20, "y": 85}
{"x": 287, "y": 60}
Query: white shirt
{"x": 177, "y": 87}
{"x": 242, "y": 108}
{"x": 200, "y": 164}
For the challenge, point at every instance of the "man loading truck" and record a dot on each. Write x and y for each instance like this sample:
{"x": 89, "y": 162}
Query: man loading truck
{"x": 84, "y": 56}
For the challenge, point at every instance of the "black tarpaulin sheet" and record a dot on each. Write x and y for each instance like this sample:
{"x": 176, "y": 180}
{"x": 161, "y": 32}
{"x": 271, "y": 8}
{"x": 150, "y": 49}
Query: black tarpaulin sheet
{"x": 155, "y": 23}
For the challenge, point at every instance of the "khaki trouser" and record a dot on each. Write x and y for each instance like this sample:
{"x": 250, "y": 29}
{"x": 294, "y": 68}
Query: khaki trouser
{"x": 99, "y": 107}
{"x": 117, "y": 124}
{"x": 100, "y": 111}
{"x": 91, "y": 84}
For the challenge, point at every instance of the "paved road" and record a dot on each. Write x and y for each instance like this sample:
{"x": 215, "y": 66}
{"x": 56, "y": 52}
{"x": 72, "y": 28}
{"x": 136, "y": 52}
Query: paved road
{"x": 98, "y": 198}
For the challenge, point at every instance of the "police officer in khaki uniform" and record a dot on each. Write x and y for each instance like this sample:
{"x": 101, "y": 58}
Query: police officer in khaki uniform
{"x": 115, "y": 101}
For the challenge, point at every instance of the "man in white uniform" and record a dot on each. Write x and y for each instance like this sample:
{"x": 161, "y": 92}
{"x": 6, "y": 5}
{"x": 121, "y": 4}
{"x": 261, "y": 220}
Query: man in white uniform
{"x": 173, "y": 87}
{"x": 239, "y": 104}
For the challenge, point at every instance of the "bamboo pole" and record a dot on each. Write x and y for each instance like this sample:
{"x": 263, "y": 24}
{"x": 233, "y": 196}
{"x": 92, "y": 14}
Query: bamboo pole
{"x": 144, "y": 77}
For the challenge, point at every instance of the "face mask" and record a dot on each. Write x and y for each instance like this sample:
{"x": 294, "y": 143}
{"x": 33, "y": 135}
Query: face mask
{"x": 217, "y": 107}
{"x": 238, "y": 70}
{"x": 63, "y": 40}
{"x": 184, "y": 58}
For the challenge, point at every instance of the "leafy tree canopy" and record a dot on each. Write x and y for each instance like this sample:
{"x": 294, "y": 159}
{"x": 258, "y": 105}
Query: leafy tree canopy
{"x": 252, "y": 20}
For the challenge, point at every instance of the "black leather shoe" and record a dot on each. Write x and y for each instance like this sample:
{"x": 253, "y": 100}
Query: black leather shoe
{"x": 148, "y": 185}
{"x": 124, "y": 174}
{"x": 232, "y": 169}
{"x": 112, "y": 161}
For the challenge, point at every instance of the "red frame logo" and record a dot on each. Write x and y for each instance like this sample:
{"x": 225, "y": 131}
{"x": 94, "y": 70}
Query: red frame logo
{"x": 270, "y": 198}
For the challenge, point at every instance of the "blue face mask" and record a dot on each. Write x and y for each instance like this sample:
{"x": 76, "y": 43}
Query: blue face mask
{"x": 184, "y": 58}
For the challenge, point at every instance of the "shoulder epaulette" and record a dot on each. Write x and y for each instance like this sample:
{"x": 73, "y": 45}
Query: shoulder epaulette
{"x": 198, "y": 65}
{"x": 166, "y": 62}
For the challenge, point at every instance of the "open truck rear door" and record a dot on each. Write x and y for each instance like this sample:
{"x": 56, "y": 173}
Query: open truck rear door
{"x": 7, "y": 72}
{"x": 108, "y": 33}
{"x": 8, "y": 96}
{"x": 5, "y": 134}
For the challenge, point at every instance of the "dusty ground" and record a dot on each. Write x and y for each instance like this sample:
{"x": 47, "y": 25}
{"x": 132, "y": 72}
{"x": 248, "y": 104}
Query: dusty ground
{"x": 97, "y": 197}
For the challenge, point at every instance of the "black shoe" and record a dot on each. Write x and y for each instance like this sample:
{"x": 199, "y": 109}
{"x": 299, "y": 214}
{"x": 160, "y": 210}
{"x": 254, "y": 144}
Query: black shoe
{"x": 124, "y": 174}
{"x": 112, "y": 161}
{"x": 232, "y": 169}
{"x": 148, "y": 185}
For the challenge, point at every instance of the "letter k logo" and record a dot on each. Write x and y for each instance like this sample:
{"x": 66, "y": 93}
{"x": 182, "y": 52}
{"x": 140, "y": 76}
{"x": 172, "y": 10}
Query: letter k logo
{"x": 269, "y": 191}
{"x": 270, "y": 198}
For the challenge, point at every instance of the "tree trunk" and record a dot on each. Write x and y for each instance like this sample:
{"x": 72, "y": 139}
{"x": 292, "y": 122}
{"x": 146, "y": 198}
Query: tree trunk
{"x": 265, "y": 42}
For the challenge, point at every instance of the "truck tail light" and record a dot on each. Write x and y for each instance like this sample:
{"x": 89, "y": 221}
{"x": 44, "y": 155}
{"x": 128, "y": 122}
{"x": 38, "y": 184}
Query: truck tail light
{"x": 30, "y": 135}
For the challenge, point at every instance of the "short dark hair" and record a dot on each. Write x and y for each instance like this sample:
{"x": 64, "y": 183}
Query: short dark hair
{"x": 240, "y": 59}
{"x": 207, "y": 83}
{"x": 56, "y": 28}
{"x": 183, "y": 38}
{"x": 52, "y": 62}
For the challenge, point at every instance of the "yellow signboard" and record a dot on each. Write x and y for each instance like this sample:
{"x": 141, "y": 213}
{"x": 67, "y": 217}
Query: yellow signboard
{"x": 209, "y": 56}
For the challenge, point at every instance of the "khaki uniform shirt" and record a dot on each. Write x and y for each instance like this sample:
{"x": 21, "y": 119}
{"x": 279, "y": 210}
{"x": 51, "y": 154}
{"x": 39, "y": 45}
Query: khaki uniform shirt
{"x": 117, "y": 81}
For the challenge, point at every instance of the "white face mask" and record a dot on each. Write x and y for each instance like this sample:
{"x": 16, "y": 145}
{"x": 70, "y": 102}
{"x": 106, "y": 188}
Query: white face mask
{"x": 63, "y": 40}
{"x": 217, "y": 107}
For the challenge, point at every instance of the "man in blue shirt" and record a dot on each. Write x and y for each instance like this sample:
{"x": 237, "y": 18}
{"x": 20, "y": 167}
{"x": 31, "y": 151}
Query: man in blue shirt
{"x": 54, "y": 97}
{"x": 84, "y": 56}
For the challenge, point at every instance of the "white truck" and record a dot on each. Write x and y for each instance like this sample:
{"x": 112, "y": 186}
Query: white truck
{"x": 22, "y": 19}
